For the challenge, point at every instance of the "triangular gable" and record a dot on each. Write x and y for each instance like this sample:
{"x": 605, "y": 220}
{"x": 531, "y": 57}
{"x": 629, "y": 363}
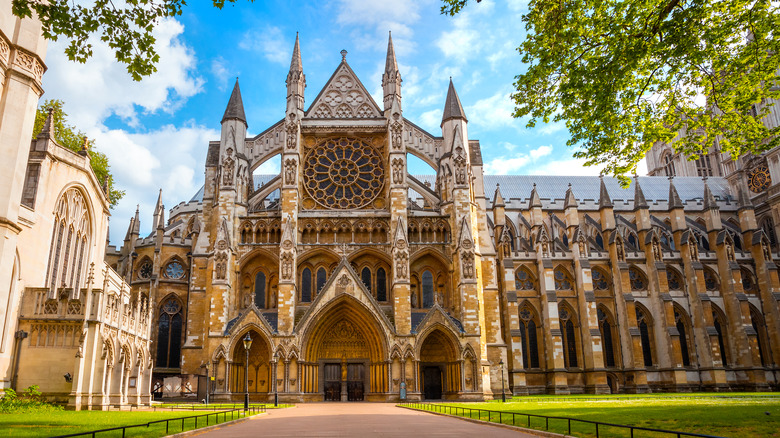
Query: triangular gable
{"x": 344, "y": 281}
{"x": 249, "y": 316}
{"x": 438, "y": 315}
{"x": 343, "y": 97}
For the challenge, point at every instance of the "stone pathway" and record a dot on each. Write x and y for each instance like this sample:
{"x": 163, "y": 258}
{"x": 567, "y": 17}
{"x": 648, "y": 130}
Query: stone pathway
{"x": 358, "y": 420}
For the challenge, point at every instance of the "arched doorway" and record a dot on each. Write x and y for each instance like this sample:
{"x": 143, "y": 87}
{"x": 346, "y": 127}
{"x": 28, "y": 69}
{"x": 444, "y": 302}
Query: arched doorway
{"x": 345, "y": 354}
{"x": 439, "y": 370}
{"x": 260, "y": 380}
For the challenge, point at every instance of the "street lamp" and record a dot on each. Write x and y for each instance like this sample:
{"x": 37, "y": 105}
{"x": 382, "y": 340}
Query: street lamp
{"x": 276, "y": 388}
{"x": 503, "y": 393}
{"x": 247, "y": 346}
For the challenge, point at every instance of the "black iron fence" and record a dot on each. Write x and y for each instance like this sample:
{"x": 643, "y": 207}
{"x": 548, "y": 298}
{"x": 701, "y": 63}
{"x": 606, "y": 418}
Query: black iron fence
{"x": 179, "y": 423}
{"x": 525, "y": 420}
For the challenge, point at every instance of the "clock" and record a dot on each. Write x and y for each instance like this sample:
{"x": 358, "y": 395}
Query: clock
{"x": 145, "y": 272}
{"x": 759, "y": 178}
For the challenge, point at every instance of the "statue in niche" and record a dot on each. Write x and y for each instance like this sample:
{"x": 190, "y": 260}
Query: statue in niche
{"x": 621, "y": 254}
{"x": 220, "y": 266}
{"x": 765, "y": 249}
{"x": 729, "y": 252}
{"x": 401, "y": 265}
{"x": 693, "y": 249}
{"x": 292, "y": 136}
{"x": 289, "y": 171}
{"x": 467, "y": 261}
{"x": 398, "y": 168}
{"x": 414, "y": 299}
{"x": 657, "y": 255}
{"x": 460, "y": 170}
{"x": 397, "y": 135}
{"x": 228, "y": 167}
{"x": 286, "y": 266}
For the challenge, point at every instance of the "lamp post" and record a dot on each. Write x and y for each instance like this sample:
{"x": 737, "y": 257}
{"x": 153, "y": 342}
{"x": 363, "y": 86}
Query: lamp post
{"x": 503, "y": 393}
{"x": 276, "y": 388}
{"x": 247, "y": 346}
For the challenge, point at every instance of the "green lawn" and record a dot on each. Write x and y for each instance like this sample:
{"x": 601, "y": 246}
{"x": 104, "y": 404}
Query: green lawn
{"x": 728, "y": 415}
{"x": 67, "y": 422}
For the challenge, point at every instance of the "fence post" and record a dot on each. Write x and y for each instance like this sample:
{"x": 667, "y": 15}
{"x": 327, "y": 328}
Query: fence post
{"x": 597, "y": 430}
{"x": 569, "y": 426}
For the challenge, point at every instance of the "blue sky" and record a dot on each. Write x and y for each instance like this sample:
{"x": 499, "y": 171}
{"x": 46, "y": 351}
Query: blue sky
{"x": 156, "y": 132}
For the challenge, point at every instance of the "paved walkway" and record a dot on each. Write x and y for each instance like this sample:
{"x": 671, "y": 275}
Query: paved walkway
{"x": 358, "y": 420}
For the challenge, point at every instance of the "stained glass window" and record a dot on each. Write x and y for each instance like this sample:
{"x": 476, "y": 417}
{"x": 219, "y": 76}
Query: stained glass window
{"x": 169, "y": 335}
{"x": 523, "y": 280}
{"x": 562, "y": 280}
{"x": 260, "y": 290}
{"x": 710, "y": 281}
{"x": 306, "y": 285}
{"x": 673, "y": 279}
{"x": 174, "y": 271}
{"x": 599, "y": 280}
{"x": 427, "y": 289}
{"x": 381, "y": 285}
{"x": 644, "y": 337}
{"x": 683, "y": 338}
{"x": 606, "y": 336}
{"x": 637, "y": 279}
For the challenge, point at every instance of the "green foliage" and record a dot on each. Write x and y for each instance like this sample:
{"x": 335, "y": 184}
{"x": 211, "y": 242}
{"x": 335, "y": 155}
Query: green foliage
{"x": 125, "y": 26}
{"x": 73, "y": 139}
{"x": 31, "y": 400}
{"x": 623, "y": 74}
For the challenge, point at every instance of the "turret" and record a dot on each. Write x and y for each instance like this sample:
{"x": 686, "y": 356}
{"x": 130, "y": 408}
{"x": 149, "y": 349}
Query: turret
{"x": 746, "y": 212}
{"x": 499, "y": 215}
{"x": 454, "y": 124}
{"x": 296, "y": 83}
{"x": 535, "y": 205}
{"x": 711, "y": 209}
{"x": 606, "y": 208}
{"x": 234, "y": 123}
{"x": 391, "y": 81}
{"x": 570, "y": 209}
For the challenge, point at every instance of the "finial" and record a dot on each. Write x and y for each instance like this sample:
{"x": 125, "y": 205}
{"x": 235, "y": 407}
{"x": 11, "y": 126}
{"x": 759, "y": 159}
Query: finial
{"x": 343, "y": 55}
{"x": 569, "y": 185}
{"x": 85, "y": 146}
{"x": 534, "y": 185}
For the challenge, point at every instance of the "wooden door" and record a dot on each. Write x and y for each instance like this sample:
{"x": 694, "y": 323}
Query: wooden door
{"x": 355, "y": 380}
{"x": 332, "y": 382}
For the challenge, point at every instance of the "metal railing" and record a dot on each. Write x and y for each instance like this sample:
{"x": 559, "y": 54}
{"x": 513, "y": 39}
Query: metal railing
{"x": 477, "y": 414}
{"x": 217, "y": 406}
{"x": 233, "y": 413}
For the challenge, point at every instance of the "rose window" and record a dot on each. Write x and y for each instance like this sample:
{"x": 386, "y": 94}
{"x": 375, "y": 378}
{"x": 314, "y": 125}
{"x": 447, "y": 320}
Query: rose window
{"x": 343, "y": 173}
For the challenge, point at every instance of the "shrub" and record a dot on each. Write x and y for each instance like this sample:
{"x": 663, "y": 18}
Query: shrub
{"x": 30, "y": 400}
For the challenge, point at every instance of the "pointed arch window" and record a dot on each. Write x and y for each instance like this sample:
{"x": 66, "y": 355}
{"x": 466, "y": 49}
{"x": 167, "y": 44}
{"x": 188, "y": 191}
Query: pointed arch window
{"x": 365, "y": 275}
{"x": 528, "y": 338}
{"x": 322, "y": 277}
{"x": 169, "y": 334}
{"x": 70, "y": 241}
{"x": 673, "y": 279}
{"x": 632, "y": 240}
{"x": 681, "y": 322}
{"x": 381, "y": 284}
{"x": 711, "y": 281}
{"x": 260, "y": 290}
{"x": 757, "y": 321}
{"x": 599, "y": 241}
{"x": 768, "y": 225}
{"x": 563, "y": 280}
{"x": 569, "y": 337}
{"x": 524, "y": 280}
{"x": 720, "y": 325}
{"x": 605, "y": 327}
{"x": 668, "y": 163}
{"x": 306, "y": 286}
{"x": 748, "y": 283}
{"x": 427, "y": 289}
{"x": 637, "y": 279}
{"x": 600, "y": 281}
{"x": 644, "y": 324}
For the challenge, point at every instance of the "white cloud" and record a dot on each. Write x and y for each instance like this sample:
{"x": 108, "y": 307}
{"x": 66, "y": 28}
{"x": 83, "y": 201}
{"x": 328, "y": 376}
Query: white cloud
{"x": 220, "y": 72}
{"x": 493, "y": 112}
{"x": 572, "y": 166}
{"x": 504, "y": 165}
{"x": 541, "y": 151}
{"x": 370, "y": 20}
{"x": 431, "y": 120}
{"x": 102, "y": 87}
{"x": 270, "y": 42}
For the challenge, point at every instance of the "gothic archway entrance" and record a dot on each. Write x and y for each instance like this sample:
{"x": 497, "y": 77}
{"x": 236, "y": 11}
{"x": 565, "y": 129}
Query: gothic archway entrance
{"x": 440, "y": 370}
{"x": 345, "y": 354}
{"x": 260, "y": 380}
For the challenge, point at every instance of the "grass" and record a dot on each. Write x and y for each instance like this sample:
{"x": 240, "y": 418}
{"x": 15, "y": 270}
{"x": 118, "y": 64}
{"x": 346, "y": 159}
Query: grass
{"x": 49, "y": 423}
{"x": 728, "y": 415}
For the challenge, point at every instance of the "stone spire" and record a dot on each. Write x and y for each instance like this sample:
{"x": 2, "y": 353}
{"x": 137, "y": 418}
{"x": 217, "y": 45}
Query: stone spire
{"x": 743, "y": 198}
{"x": 604, "y": 199}
{"x": 674, "y": 198}
{"x": 570, "y": 200}
{"x": 535, "y": 201}
{"x": 709, "y": 198}
{"x": 48, "y": 126}
{"x": 136, "y": 222}
{"x": 639, "y": 195}
{"x": 130, "y": 228}
{"x": 296, "y": 81}
{"x": 452, "y": 107}
{"x": 498, "y": 200}
{"x": 391, "y": 80}
{"x": 235, "y": 106}
{"x": 159, "y": 212}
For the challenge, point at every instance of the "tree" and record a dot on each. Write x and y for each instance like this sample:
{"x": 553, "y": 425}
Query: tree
{"x": 125, "y": 26}
{"x": 73, "y": 139}
{"x": 623, "y": 74}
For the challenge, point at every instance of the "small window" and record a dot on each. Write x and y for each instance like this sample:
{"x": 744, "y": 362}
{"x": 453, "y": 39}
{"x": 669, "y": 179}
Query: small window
{"x": 381, "y": 285}
{"x": 427, "y": 289}
{"x": 306, "y": 286}
{"x": 260, "y": 290}
{"x": 321, "y": 278}
{"x": 365, "y": 275}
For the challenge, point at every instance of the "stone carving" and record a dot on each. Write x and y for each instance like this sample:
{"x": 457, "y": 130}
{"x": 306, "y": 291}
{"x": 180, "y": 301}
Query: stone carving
{"x": 29, "y": 63}
{"x": 402, "y": 265}
{"x": 228, "y": 168}
{"x": 460, "y": 170}
{"x": 343, "y": 97}
{"x": 657, "y": 254}
{"x": 694, "y": 250}
{"x": 287, "y": 267}
{"x": 467, "y": 262}
{"x": 398, "y": 170}
{"x": 729, "y": 251}
{"x": 292, "y": 136}
{"x": 289, "y": 171}
{"x": 220, "y": 265}
{"x": 396, "y": 135}
{"x": 621, "y": 252}
{"x": 766, "y": 251}
{"x": 343, "y": 284}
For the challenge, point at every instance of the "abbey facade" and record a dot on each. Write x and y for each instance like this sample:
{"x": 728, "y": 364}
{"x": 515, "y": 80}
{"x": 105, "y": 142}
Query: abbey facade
{"x": 358, "y": 281}
{"x": 355, "y": 280}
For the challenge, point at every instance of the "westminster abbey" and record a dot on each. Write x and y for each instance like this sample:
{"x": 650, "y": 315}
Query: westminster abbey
{"x": 355, "y": 280}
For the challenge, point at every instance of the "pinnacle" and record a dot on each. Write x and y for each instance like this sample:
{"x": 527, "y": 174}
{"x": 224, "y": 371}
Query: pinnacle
{"x": 391, "y": 65}
{"x": 570, "y": 200}
{"x": 674, "y": 197}
{"x": 235, "y": 106}
{"x": 296, "y": 65}
{"x": 639, "y": 195}
{"x": 452, "y": 107}
{"x": 604, "y": 200}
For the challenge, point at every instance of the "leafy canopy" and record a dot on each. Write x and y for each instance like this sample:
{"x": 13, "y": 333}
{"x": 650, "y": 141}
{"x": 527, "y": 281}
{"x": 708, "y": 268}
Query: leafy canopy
{"x": 126, "y": 26}
{"x": 624, "y": 74}
{"x": 73, "y": 139}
